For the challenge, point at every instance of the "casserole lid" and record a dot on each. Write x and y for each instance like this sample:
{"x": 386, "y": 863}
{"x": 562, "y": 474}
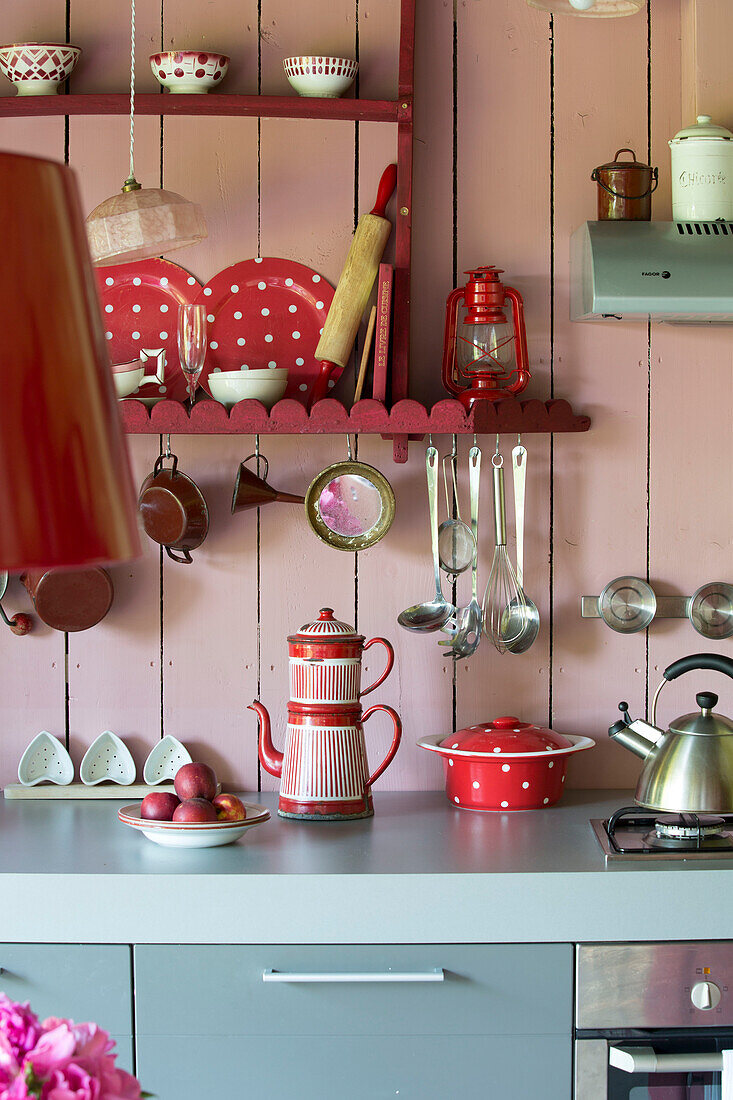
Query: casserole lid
{"x": 506, "y": 734}
{"x": 326, "y": 629}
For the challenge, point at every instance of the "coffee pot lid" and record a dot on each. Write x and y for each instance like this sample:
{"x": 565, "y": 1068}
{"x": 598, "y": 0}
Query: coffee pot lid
{"x": 324, "y": 628}
{"x": 703, "y": 722}
{"x": 703, "y": 128}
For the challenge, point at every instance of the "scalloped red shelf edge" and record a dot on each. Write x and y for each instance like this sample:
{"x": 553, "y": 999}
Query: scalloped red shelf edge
{"x": 405, "y": 419}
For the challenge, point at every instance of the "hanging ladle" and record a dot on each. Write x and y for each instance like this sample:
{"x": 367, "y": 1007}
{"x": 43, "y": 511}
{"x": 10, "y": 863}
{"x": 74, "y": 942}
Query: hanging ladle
{"x": 469, "y": 619}
{"x": 456, "y": 541}
{"x": 424, "y": 618}
{"x": 527, "y": 614}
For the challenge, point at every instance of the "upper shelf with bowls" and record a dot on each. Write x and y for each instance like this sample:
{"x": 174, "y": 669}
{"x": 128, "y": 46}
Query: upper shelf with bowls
{"x": 219, "y": 103}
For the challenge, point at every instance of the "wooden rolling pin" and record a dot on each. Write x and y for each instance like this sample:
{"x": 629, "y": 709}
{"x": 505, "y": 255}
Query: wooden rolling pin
{"x": 355, "y": 285}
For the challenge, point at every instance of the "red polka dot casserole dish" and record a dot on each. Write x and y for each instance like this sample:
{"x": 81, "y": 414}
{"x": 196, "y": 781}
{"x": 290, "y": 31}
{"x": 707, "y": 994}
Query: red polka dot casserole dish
{"x": 506, "y": 764}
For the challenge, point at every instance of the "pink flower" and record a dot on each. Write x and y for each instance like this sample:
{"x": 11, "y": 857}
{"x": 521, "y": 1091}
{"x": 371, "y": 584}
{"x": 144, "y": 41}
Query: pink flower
{"x": 53, "y": 1050}
{"x": 9, "y": 1066}
{"x": 71, "y": 1082}
{"x": 17, "y": 1091}
{"x": 19, "y": 1025}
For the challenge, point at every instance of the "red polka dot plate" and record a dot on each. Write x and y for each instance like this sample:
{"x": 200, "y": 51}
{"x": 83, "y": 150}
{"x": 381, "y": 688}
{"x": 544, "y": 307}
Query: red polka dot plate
{"x": 140, "y": 311}
{"x": 267, "y": 312}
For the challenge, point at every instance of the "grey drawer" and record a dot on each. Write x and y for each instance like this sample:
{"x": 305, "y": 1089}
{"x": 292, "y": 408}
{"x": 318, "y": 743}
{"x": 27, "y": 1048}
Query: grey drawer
{"x": 360, "y": 1068}
{"x": 488, "y": 990}
{"x": 79, "y": 981}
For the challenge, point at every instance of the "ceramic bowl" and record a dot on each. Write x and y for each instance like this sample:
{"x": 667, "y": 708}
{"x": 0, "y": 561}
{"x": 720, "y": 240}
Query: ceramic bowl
{"x": 263, "y": 372}
{"x": 38, "y": 68}
{"x": 189, "y": 71}
{"x": 243, "y": 387}
{"x": 127, "y": 381}
{"x": 176, "y": 834}
{"x": 323, "y": 77}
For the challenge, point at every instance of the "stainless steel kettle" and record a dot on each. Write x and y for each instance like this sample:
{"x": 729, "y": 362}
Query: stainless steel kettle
{"x": 689, "y": 767}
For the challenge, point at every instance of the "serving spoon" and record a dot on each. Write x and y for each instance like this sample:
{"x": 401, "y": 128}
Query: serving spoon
{"x": 423, "y": 618}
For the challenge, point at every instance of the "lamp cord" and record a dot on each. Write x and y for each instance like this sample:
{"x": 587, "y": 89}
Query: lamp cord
{"x": 132, "y": 91}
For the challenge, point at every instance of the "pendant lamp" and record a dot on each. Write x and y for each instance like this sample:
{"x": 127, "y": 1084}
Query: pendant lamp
{"x": 66, "y": 494}
{"x": 141, "y": 221}
{"x": 600, "y": 9}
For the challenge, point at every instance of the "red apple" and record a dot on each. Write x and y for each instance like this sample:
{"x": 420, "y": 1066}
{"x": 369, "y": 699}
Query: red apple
{"x": 195, "y": 781}
{"x": 195, "y": 811}
{"x": 229, "y": 808}
{"x": 159, "y": 806}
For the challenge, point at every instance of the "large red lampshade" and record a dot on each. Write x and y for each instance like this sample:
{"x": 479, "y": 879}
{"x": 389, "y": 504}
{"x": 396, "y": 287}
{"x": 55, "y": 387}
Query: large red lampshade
{"x": 66, "y": 495}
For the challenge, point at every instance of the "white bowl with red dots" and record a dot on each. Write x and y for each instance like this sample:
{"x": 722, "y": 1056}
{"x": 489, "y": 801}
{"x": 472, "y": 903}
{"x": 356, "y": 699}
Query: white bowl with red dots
{"x": 187, "y": 72}
{"x": 505, "y": 765}
{"x": 267, "y": 386}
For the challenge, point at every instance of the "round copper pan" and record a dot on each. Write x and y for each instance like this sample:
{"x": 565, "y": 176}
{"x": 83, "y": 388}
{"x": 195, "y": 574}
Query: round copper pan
{"x": 173, "y": 510}
{"x": 70, "y": 599}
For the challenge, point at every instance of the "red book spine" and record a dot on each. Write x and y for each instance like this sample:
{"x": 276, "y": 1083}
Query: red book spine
{"x": 381, "y": 340}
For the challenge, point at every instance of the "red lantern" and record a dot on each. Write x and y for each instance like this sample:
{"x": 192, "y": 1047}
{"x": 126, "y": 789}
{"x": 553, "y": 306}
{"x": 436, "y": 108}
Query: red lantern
{"x": 485, "y": 354}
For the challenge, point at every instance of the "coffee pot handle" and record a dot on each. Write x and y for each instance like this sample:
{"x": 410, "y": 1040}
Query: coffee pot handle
{"x": 395, "y": 740}
{"x": 388, "y": 669}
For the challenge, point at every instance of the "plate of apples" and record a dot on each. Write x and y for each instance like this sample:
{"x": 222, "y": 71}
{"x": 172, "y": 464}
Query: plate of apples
{"x": 196, "y": 816}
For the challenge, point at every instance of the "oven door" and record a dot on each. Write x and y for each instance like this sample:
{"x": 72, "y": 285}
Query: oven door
{"x": 652, "y": 1066}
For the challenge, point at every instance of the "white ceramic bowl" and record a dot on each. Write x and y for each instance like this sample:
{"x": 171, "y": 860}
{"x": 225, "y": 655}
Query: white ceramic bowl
{"x": 263, "y": 372}
{"x": 189, "y": 71}
{"x": 231, "y": 390}
{"x": 38, "y": 68}
{"x": 127, "y": 381}
{"x": 177, "y": 834}
{"x": 323, "y": 77}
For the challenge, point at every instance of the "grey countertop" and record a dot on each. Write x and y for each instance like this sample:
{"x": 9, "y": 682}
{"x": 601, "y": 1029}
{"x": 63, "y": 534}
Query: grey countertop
{"x": 418, "y": 871}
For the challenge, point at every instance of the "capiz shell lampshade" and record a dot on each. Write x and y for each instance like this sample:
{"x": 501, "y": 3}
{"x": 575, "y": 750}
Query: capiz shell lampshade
{"x": 142, "y": 222}
{"x": 600, "y": 9}
{"x": 66, "y": 494}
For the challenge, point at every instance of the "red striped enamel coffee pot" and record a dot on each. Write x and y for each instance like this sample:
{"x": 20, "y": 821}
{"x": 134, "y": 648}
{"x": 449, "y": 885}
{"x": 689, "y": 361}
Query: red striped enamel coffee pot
{"x": 324, "y": 771}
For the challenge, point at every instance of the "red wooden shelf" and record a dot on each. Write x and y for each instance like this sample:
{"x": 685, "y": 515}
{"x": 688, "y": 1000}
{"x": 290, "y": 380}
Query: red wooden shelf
{"x": 406, "y": 419}
{"x": 215, "y": 103}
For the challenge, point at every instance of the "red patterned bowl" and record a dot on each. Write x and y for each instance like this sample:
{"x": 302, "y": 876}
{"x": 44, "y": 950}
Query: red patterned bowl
{"x": 506, "y": 764}
{"x": 189, "y": 71}
{"x": 324, "y": 77}
{"x": 38, "y": 68}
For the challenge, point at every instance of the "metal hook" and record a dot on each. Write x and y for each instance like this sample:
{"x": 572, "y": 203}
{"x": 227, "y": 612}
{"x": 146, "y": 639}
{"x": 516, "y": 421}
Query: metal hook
{"x": 348, "y": 447}
{"x": 168, "y": 445}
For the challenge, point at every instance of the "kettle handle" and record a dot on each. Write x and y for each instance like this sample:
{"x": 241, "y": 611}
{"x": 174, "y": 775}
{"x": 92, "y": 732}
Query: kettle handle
{"x": 714, "y": 662}
{"x": 388, "y": 669}
{"x": 395, "y": 740}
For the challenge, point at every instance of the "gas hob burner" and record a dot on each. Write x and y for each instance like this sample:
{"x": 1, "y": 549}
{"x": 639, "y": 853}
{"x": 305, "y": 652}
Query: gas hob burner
{"x": 636, "y": 833}
{"x": 687, "y": 831}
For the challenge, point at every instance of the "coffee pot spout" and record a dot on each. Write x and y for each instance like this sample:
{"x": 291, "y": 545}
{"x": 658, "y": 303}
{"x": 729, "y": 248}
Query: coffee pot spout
{"x": 639, "y": 737}
{"x": 270, "y": 758}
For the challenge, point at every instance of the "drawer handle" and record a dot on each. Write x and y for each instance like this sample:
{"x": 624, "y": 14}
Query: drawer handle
{"x": 437, "y": 975}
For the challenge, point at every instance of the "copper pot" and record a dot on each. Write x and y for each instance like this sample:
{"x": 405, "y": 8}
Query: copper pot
{"x": 173, "y": 510}
{"x": 625, "y": 189}
{"x": 70, "y": 599}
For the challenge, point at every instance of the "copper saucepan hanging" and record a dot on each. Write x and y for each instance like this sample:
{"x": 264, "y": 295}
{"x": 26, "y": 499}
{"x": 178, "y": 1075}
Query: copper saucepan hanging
{"x": 70, "y": 599}
{"x": 350, "y": 505}
{"x": 173, "y": 510}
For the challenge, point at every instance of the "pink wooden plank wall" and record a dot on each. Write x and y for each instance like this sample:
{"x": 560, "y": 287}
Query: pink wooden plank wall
{"x": 185, "y": 649}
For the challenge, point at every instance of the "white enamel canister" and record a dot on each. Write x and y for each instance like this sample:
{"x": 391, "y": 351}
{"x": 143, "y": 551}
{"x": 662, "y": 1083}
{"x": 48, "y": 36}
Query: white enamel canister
{"x": 702, "y": 172}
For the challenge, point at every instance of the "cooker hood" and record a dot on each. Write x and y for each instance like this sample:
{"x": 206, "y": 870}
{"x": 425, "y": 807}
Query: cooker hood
{"x": 680, "y": 272}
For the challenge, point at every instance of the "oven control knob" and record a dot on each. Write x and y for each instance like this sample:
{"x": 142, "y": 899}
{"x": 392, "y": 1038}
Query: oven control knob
{"x": 705, "y": 995}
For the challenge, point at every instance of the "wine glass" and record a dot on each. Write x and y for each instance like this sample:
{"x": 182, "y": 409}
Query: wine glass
{"x": 192, "y": 344}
